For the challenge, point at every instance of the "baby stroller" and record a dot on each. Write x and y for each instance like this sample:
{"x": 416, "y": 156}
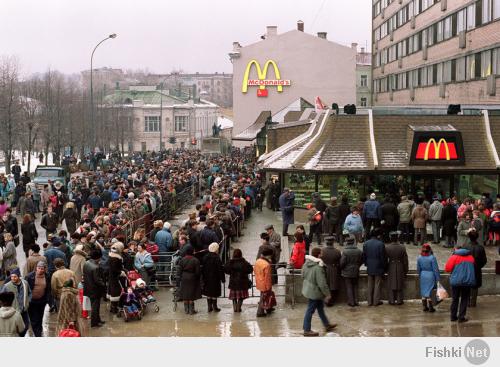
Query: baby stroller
{"x": 145, "y": 295}
{"x": 129, "y": 305}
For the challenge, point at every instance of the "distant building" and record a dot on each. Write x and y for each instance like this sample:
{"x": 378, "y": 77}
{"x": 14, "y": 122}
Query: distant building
{"x": 363, "y": 77}
{"x": 183, "y": 121}
{"x": 216, "y": 88}
{"x": 107, "y": 79}
{"x": 281, "y": 68}
{"x": 428, "y": 52}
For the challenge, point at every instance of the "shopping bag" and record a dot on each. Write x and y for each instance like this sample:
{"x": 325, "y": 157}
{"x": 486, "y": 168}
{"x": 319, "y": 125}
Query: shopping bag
{"x": 69, "y": 332}
{"x": 441, "y": 292}
{"x": 86, "y": 306}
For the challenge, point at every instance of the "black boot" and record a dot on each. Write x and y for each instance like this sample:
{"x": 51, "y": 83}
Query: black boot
{"x": 186, "y": 308}
{"x": 209, "y": 303}
{"x": 240, "y": 303}
{"x": 192, "y": 311}
{"x": 424, "y": 303}
{"x": 431, "y": 306}
{"x": 235, "y": 305}
{"x": 214, "y": 305}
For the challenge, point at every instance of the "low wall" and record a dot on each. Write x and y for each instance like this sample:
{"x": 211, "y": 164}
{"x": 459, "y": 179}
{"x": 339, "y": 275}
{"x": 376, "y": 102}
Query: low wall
{"x": 491, "y": 286}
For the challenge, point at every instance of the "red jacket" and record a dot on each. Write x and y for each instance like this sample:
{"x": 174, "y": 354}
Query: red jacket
{"x": 298, "y": 255}
{"x": 455, "y": 259}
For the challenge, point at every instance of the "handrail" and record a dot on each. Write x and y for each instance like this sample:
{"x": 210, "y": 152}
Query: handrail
{"x": 491, "y": 142}
{"x": 372, "y": 139}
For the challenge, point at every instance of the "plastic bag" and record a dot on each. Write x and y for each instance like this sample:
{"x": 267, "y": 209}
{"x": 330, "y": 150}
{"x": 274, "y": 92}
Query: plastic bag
{"x": 441, "y": 292}
{"x": 69, "y": 332}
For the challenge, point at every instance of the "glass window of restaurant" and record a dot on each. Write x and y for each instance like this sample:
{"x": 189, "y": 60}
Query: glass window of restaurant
{"x": 303, "y": 185}
{"x": 475, "y": 185}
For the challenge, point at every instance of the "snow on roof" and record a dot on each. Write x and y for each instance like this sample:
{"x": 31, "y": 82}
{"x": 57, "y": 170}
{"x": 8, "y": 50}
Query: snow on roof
{"x": 224, "y": 122}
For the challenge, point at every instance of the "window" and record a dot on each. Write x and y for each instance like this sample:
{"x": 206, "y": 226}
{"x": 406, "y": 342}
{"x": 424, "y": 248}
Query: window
{"x": 471, "y": 16}
{"x": 447, "y": 72}
{"x": 364, "y": 80}
{"x": 487, "y": 11}
{"x": 363, "y": 101}
{"x": 151, "y": 124}
{"x": 461, "y": 20}
{"x": 439, "y": 32}
{"x": 423, "y": 76}
{"x": 431, "y": 74}
{"x": 460, "y": 69}
{"x": 181, "y": 123}
{"x": 473, "y": 66}
{"x": 439, "y": 73}
{"x": 430, "y": 36}
{"x": 486, "y": 65}
{"x": 416, "y": 43}
{"x": 496, "y": 9}
{"x": 496, "y": 61}
{"x": 414, "y": 82}
{"x": 447, "y": 31}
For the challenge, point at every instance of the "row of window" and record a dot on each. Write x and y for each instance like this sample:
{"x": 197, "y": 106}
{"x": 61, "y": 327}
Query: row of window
{"x": 465, "y": 68}
{"x": 401, "y": 17}
{"x": 379, "y": 6}
{"x": 468, "y": 18}
{"x": 152, "y": 123}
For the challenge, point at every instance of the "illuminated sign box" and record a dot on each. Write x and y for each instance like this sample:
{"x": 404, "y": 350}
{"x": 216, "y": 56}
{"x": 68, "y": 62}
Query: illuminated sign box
{"x": 443, "y": 148}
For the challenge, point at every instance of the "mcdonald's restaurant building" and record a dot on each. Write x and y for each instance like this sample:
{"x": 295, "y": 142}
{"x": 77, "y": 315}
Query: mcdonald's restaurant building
{"x": 269, "y": 75}
{"x": 387, "y": 152}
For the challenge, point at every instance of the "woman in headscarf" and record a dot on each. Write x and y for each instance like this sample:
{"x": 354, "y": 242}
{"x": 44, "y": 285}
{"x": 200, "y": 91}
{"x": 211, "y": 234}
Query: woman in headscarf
{"x": 69, "y": 309}
{"x": 213, "y": 275}
{"x": 188, "y": 273}
{"x": 115, "y": 284}
{"x": 428, "y": 272}
{"x": 239, "y": 282}
{"x": 71, "y": 217}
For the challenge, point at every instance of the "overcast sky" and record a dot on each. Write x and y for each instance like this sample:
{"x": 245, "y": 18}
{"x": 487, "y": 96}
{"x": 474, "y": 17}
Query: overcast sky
{"x": 162, "y": 35}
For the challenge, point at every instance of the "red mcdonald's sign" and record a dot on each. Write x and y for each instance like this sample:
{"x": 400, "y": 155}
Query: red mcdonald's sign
{"x": 441, "y": 150}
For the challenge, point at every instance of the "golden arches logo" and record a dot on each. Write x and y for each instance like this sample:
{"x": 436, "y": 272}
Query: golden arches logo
{"x": 262, "y": 83}
{"x": 437, "y": 148}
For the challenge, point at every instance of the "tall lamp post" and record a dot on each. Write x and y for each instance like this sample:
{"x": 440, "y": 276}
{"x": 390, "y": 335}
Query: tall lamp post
{"x": 92, "y": 88}
{"x": 161, "y": 111}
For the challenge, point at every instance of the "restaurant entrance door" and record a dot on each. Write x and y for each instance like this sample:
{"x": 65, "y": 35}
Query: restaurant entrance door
{"x": 429, "y": 185}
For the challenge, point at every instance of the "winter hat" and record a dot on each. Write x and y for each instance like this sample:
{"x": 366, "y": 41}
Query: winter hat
{"x": 350, "y": 240}
{"x": 140, "y": 283}
{"x": 79, "y": 248}
{"x": 117, "y": 247}
{"x": 15, "y": 271}
{"x": 56, "y": 241}
{"x": 214, "y": 247}
{"x": 131, "y": 195}
{"x": 373, "y": 196}
{"x": 166, "y": 225}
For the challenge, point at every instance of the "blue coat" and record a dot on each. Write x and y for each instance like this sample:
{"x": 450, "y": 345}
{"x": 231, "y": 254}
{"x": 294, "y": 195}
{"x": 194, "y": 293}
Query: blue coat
{"x": 353, "y": 224}
{"x": 164, "y": 240}
{"x": 374, "y": 257}
{"x": 370, "y": 209}
{"x": 286, "y": 207}
{"x": 428, "y": 272}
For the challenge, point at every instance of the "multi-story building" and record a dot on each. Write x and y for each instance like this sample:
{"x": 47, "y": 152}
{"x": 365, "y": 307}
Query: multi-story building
{"x": 106, "y": 79}
{"x": 428, "y": 52}
{"x": 216, "y": 88}
{"x": 153, "y": 112}
{"x": 363, "y": 77}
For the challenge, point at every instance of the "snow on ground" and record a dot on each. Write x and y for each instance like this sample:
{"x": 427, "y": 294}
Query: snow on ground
{"x": 34, "y": 162}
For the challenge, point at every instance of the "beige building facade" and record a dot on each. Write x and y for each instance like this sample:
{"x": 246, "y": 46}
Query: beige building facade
{"x": 282, "y": 68}
{"x": 436, "y": 52}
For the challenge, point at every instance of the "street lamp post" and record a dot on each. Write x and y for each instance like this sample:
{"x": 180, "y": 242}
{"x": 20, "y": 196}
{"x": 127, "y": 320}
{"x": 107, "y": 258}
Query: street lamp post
{"x": 111, "y": 36}
{"x": 161, "y": 111}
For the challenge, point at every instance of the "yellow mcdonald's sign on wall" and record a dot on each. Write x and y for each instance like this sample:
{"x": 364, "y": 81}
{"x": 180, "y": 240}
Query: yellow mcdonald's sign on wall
{"x": 262, "y": 82}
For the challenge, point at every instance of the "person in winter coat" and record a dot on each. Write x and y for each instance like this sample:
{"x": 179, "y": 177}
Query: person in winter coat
{"x": 11, "y": 226}
{"x": 70, "y": 312}
{"x": 350, "y": 262}
{"x": 405, "y": 209}
{"x": 274, "y": 241}
{"x": 71, "y": 217}
{"x": 331, "y": 219}
{"x": 354, "y": 225}
{"x": 22, "y": 291}
{"x": 462, "y": 279}
{"x": 50, "y": 221}
{"x": 331, "y": 258}
{"x": 9, "y": 254}
{"x": 189, "y": 274}
{"x": 374, "y": 258}
{"x": 449, "y": 221}
{"x": 480, "y": 260}
{"x": 115, "y": 275}
{"x": 389, "y": 217}
{"x": 60, "y": 276}
{"x": 164, "y": 239}
{"x": 238, "y": 270}
{"x": 143, "y": 263}
{"x": 213, "y": 276}
{"x": 419, "y": 217}
{"x": 371, "y": 213}
{"x": 428, "y": 275}
{"x": 298, "y": 252}
{"x": 397, "y": 268}
{"x": 29, "y": 232}
{"x": 264, "y": 283}
{"x": 463, "y": 229}
{"x": 344, "y": 211}
{"x": 286, "y": 202}
{"x": 39, "y": 283}
{"x": 316, "y": 290}
{"x": 11, "y": 321}
{"x": 77, "y": 263}
{"x": 435, "y": 216}
{"x": 94, "y": 286}
{"x": 33, "y": 260}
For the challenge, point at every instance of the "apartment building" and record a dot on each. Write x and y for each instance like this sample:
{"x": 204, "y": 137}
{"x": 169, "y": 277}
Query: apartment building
{"x": 428, "y": 52}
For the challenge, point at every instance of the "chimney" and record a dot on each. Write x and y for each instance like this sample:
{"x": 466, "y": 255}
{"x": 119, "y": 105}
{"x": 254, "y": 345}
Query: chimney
{"x": 354, "y": 46}
{"x": 272, "y": 31}
{"x": 362, "y": 50}
{"x": 322, "y": 35}
{"x": 300, "y": 26}
{"x": 236, "y": 47}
